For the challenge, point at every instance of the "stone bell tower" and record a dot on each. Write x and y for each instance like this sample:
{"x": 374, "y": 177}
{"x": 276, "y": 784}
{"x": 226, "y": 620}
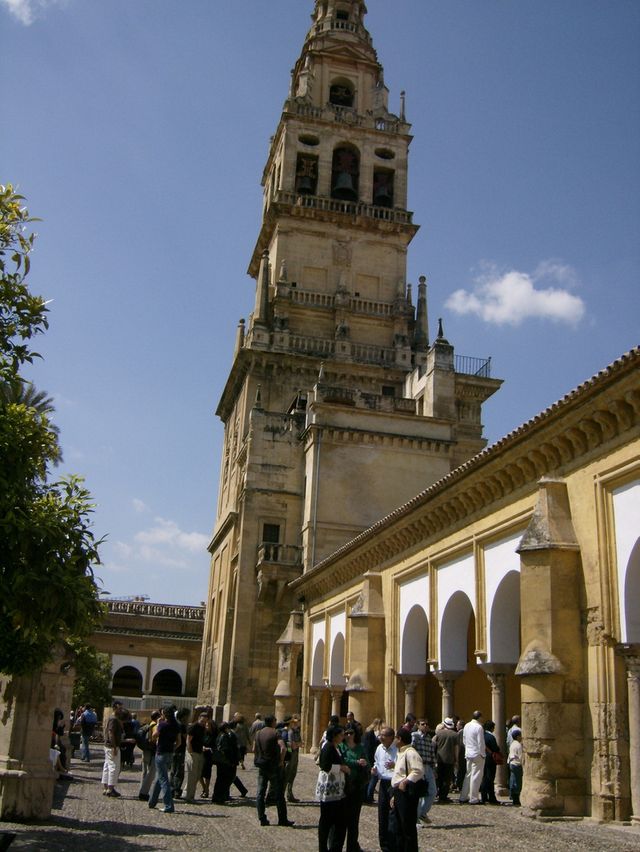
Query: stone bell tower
{"x": 337, "y": 408}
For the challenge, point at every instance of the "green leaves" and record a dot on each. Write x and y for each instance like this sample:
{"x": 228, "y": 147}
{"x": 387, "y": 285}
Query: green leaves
{"x": 22, "y": 315}
{"x": 48, "y": 592}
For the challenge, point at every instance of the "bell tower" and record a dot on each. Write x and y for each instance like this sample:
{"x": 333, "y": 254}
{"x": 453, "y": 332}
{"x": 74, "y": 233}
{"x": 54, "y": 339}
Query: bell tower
{"x": 337, "y": 408}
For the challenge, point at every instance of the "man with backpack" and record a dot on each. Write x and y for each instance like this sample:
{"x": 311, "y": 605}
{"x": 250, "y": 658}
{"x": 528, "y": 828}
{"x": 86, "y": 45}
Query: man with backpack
{"x": 144, "y": 741}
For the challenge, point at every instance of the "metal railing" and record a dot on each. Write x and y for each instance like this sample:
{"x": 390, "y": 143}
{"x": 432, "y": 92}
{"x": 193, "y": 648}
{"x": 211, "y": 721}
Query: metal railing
{"x": 469, "y": 366}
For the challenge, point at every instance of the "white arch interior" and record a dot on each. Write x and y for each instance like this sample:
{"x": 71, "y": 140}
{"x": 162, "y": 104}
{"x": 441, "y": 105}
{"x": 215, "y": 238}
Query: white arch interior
{"x": 626, "y": 510}
{"x": 414, "y": 642}
{"x": 504, "y": 621}
{"x": 317, "y": 666}
{"x": 414, "y": 592}
{"x": 453, "y": 577}
{"x": 138, "y": 663}
{"x": 178, "y": 666}
{"x": 453, "y": 633}
{"x": 632, "y": 596}
{"x": 336, "y": 671}
{"x": 502, "y": 594}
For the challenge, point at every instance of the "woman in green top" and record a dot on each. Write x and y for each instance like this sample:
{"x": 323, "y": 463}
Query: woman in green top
{"x": 356, "y": 783}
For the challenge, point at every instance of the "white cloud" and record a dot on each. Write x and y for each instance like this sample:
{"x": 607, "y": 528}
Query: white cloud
{"x": 168, "y": 532}
{"x": 161, "y": 544}
{"x": 510, "y": 298}
{"x": 139, "y": 506}
{"x": 26, "y": 11}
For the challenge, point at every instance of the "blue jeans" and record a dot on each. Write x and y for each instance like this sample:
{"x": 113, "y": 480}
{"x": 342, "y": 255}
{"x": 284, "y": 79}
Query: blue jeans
{"x": 424, "y": 805}
{"x": 515, "y": 782}
{"x": 163, "y": 765}
{"x": 86, "y": 754}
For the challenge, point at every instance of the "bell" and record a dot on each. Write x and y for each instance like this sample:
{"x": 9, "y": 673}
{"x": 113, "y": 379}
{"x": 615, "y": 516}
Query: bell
{"x": 343, "y": 188}
{"x": 382, "y": 196}
{"x": 304, "y": 185}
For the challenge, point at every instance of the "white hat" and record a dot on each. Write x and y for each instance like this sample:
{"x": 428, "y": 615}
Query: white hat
{"x": 448, "y": 722}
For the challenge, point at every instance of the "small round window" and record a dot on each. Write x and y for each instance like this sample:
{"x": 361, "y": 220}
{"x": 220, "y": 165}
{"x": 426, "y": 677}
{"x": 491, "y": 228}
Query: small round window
{"x": 385, "y": 153}
{"x": 307, "y": 139}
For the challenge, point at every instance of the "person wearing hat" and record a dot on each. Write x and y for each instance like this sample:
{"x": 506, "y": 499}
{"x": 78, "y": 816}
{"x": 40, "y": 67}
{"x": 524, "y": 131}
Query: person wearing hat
{"x": 446, "y": 743}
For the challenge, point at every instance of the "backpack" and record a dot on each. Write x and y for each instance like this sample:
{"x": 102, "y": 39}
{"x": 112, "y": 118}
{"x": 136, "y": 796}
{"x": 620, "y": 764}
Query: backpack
{"x": 143, "y": 738}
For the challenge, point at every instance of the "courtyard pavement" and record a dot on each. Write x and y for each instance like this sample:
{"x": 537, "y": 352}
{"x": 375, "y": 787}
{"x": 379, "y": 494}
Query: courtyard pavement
{"x": 83, "y": 820}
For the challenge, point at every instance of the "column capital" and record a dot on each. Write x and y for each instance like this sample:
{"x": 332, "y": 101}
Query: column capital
{"x": 631, "y": 656}
{"x": 411, "y": 682}
{"x": 446, "y": 677}
{"x": 496, "y": 673}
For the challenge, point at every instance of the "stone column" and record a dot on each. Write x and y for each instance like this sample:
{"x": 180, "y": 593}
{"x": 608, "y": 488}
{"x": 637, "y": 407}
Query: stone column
{"x": 496, "y": 674}
{"x": 287, "y": 692}
{"x": 336, "y": 699}
{"x": 26, "y": 709}
{"x": 631, "y": 655}
{"x": 446, "y": 681}
{"x": 410, "y": 683}
{"x": 316, "y": 731}
{"x": 551, "y": 665}
{"x": 366, "y": 651}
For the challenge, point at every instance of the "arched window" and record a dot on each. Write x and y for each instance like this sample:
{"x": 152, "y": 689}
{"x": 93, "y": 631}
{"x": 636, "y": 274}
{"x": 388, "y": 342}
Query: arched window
{"x": 167, "y": 682}
{"x": 342, "y": 93}
{"x": 306, "y": 174}
{"x": 383, "y": 187}
{"x": 127, "y": 682}
{"x": 345, "y": 173}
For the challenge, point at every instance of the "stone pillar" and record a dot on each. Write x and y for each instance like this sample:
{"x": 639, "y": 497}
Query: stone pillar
{"x": 287, "y": 693}
{"x": 551, "y": 664}
{"x": 410, "y": 683}
{"x": 316, "y": 732}
{"x": 497, "y": 674}
{"x": 26, "y": 713}
{"x": 336, "y": 699}
{"x": 446, "y": 681}
{"x": 631, "y": 655}
{"x": 366, "y": 652}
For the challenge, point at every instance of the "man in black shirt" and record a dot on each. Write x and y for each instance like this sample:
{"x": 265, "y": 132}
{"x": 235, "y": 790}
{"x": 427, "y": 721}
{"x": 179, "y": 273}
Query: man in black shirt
{"x": 270, "y": 752}
{"x": 194, "y": 757}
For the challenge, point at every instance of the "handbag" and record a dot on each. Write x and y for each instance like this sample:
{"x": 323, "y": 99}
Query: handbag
{"x": 418, "y": 788}
{"x": 330, "y": 785}
{"x": 498, "y": 758}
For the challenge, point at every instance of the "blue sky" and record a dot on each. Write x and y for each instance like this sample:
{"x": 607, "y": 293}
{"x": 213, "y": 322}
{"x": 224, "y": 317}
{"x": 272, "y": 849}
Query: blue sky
{"x": 138, "y": 130}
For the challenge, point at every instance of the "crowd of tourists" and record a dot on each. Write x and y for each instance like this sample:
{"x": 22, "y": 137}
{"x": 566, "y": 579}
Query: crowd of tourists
{"x": 187, "y": 755}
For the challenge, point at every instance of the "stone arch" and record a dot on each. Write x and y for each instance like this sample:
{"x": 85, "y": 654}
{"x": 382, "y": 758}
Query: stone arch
{"x": 415, "y": 635}
{"x": 127, "y": 682}
{"x": 336, "y": 667}
{"x": 342, "y": 92}
{"x": 453, "y": 632}
{"x": 504, "y": 622}
{"x": 166, "y": 682}
{"x": 632, "y": 596}
{"x": 317, "y": 666}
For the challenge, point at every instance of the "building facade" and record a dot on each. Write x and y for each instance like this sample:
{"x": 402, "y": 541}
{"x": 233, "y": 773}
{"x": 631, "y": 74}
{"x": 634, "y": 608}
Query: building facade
{"x": 154, "y": 649}
{"x": 338, "y": 406}
{"x": 511, "y": 585}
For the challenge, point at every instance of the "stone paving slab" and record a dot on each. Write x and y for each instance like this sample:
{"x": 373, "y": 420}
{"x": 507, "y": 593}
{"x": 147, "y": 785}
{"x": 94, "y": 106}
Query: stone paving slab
{"x": 85, "y": 821}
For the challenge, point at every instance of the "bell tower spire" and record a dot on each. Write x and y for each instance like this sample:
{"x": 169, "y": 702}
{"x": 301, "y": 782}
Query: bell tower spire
{"x": 328, "y": 406}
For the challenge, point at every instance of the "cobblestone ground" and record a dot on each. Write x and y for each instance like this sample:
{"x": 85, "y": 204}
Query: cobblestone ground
{"x": 84, "y": 821}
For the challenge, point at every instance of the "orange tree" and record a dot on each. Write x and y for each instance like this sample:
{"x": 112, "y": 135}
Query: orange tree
{"x": 48, "y": 592}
